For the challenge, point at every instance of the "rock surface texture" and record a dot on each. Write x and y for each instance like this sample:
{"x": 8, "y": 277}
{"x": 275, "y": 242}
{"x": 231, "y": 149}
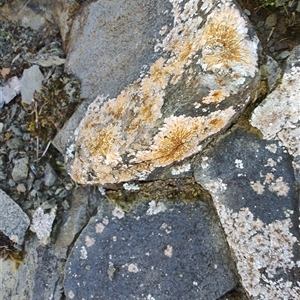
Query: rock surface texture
{"x": 159, "y": 248}
{"x": 189, "y": 72}
{"x": 186, "y": 141}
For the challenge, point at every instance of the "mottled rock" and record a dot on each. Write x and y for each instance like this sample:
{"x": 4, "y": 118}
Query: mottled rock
{"x": 252, "y": 185}
{"x": 159, "y": 250}
{"x": 167, "y": 83}
{"x": 14, "y": 222}
{"x": 42, "y": 224}
{"x": 20, "y": 170}
{"x": 31, "y": 81}
{"x": 10, "y": 90}
{"x": 38, "y": 277}
{"x": 278, "y": 116}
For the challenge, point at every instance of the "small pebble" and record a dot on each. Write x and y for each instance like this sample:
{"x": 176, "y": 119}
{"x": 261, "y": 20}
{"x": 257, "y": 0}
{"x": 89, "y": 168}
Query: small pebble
{"x": 21, "y": 188}
{"x": 247, "y": 12}
{"x": 271, "y": 20}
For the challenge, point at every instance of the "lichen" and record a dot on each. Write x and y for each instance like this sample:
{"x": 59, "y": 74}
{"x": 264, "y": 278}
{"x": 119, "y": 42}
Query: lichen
{"x": 278, "y": 116}
{"x": 127, "y": 137}
{"x": 264, "y": 253}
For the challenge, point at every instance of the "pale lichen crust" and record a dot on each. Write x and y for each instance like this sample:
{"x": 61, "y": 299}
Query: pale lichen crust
{"x": 187, "y": 95}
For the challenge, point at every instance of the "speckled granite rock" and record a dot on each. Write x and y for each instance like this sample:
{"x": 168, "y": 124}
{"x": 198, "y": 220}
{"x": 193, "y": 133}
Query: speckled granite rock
{"x": 253, "y": 188}
{"x": 159, "y": 250}
{"x": 13, "y": 221}
{"x": 178, "y": 75}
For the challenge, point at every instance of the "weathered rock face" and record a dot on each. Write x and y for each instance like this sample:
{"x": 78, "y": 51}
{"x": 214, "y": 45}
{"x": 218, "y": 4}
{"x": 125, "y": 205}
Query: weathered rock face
{"x": 196, "y": 78}
{"x": 252, "y": 185}
{"x": 278, "y": 117}
{"x": 162, "y": 250}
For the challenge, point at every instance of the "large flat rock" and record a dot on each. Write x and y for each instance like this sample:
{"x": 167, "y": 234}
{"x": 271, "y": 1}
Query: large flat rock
{"x": 169, "y": 76}
{"x": 159, "y": 250}
{"x": 253, "y": 188}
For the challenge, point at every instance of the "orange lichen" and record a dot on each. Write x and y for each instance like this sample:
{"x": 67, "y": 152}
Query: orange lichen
{"x": 215, "y": 96}
{"x": 127, "y": 137}
{"x": 225, "y": 43}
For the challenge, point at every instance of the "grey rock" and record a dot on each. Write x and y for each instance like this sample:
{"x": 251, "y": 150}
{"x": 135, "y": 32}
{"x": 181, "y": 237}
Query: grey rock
{"x": 81, "y": 208}
{"x": 10, "y": 90}
{"x": 20, "y": 170}
{"x": 160, "y": 99}
{"x": 14, "y": 222}
{"x": 273, "y": 72}
{"x": 38, "y": 277}
{"x": 278, "y": 116}
{"x": 162, "y": 250}
{"x": 50, "y": 175}
{"x": 271, "y": 20}
{"x": 31, "y": 81}
{"x": 283, "y": 55}
{"x": 14, "y": 143}
{"x": 252, "y": 185}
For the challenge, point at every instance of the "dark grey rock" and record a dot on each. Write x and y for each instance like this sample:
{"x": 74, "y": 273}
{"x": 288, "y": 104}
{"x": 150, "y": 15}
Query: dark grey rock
{"x": 252, "y": 185}
{"x": 14, "y": 222}
{"x": 162, "y": 250}
{"x": 31, "y": 81}
{"x": 20, "y": 170}
{"x": 81, "y": 209}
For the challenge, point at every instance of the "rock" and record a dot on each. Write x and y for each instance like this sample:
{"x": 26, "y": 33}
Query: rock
{"x": 14, "y": 222}
{"x": 161, "y": 99}
{"x": 161, "y": 248}
{"x": 74, "y": 220}
{"x": 31, "y": 81}
{"x": 10, "y": 90}
{"x": 42, "y": 224}
{"x": 63, "y": 13}
{"x": 38, "y": 277}
{"x": 271, "y": 20}
{"x": 50, "y": 175}
{"x": 252, "y": 185}
{"x": 14, "y": 143}
{"x": 278, "y": 116}
{"x": 20, "y": 170}
{"x": 271, "y": 71}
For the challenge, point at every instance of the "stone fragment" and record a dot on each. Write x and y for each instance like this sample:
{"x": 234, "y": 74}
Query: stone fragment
{"x": 278, "y": 116}
{"x": 180, "y": 89}
{"x": 14, "y": 222}
{"x": 42, "y": 224}
{"x": 271, "y": 20}
{"x": 20, "y": 170}
{"x": 50, "y": 175}
{"x": 253, "y": 188}
{"x": 179, "y": 253}
{"x": 31, "y": 81}
{"x": 10, "y": 90}
{"x": 82, "y": 206}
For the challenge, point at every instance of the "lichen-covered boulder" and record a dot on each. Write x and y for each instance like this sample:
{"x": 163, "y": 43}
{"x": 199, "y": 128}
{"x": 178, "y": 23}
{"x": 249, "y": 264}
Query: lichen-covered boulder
{"x": 253, "y": 188}
{"x": 193, "y": 69}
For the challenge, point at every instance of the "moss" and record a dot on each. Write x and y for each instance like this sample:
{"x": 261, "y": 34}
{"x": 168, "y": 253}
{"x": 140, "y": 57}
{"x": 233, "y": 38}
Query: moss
{"x": 8, "y": 251}
{"x": 53, "y": 105}
{"x": 173, "y": 190}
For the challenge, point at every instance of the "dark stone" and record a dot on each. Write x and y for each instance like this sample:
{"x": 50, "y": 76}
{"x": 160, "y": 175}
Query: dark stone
{"x": 179, "y": 253}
